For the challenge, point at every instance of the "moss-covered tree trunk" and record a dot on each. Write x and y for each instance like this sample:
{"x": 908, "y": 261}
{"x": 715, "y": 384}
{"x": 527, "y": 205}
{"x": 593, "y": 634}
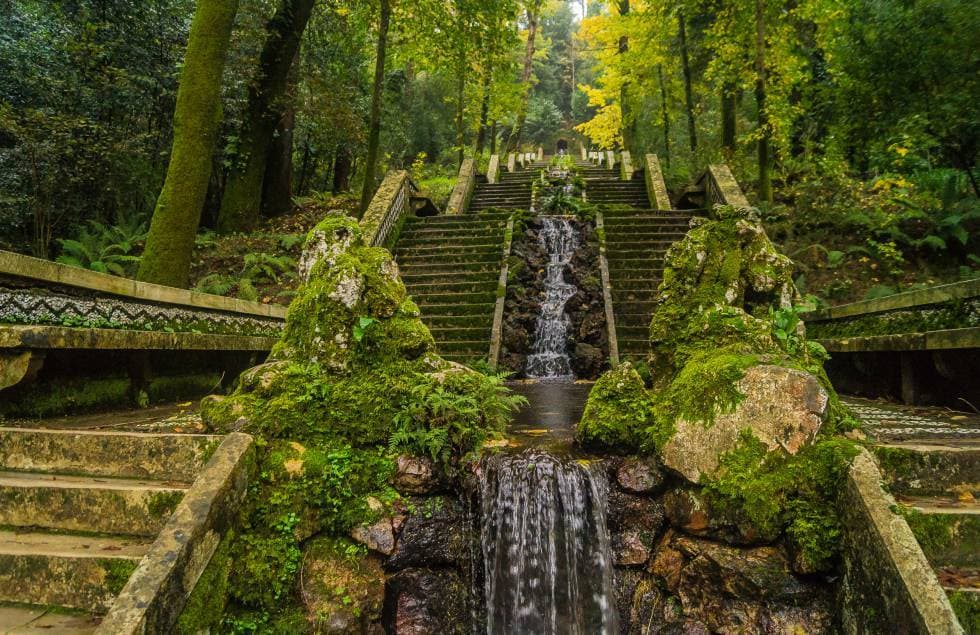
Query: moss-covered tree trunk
{"x": 534, "y": 8}
{"x": 728, "y": 120}
{"x": 374, "y": 127}
{"x": 765, "y": 160}
{"x": 481, "y": 136}
{"x": 664, "y": 114}
{"x": 167, "y": 257}
{"x": 242, "y": 200}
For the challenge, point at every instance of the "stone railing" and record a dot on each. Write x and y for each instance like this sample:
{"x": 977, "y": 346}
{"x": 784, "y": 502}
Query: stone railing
{"x": 585, "y": 153}
{"x": 390, "y": 205}
{"x": 656, "y": 187}
{"x": 610, "y": 159}
{"x": 46, "y": 306}
{"x": 625, "y": 166}
{"x": 463, "y": 189}
{"x": 721, "y": 188}
{"x": 511, "y": 162}
{"x": 493, "y": 169}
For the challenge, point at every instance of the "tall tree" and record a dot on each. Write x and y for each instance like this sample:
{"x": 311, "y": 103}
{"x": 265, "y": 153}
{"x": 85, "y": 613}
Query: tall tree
{"x": 277, "y": 185}
{"x": 242, "y": 200}
{"x": 688, "y": 91}
{"x": 629, "y": 119}
{"x": 167, "y": 257}
{"x": 764, "y": 133}
{"x": 377, "y": 94}
{"x": 532, "y": 11}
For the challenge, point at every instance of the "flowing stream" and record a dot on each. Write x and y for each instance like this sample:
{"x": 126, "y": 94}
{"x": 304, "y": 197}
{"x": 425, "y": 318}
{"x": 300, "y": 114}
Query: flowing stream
{"x": 550, "y": 357}
{"x": 546, "y": 553}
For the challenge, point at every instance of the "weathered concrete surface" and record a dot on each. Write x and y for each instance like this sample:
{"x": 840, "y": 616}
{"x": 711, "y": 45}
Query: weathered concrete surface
{"x": 784, "y": 408}
{"x": 607, "y": 299}
{"x": 58, "y": 337}
{"x": 929, "y": 469}
{"x": 887, "y": 585}
{"x": 496, "y": 329}
{"x": 22, "y": 620}
{"x": 156, "y": 593}
{"x": 656, "y": 187}
{"x": 75, "y": 503}
{"x": 162, "y": 457}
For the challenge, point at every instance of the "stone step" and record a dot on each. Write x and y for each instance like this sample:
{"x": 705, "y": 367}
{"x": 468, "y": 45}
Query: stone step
{"x": 929, "y": 469}
{"x": 620, "y": 277}
{"x": 37, "y": 620}
{"x": 442, "y": 322}
{"x": 461, "y": 334}
{"x": 452, "y": 219}
{"x": 635, "y": 346}
{"x": 634, "y": 308}
{"x": 85, "y": 503}
{"x": 456, "y": 244}
{"x": 471, "y": 347}
{"x": 165, "y": 457}
{"x": 948, "y": 529}
{"x": 430, "y": 288}
{"x": 80, "y": 572}
{"x": 631, "y": 245}
{"x": 412, "y": 280}
{"x": 456, "y": 309}
{"x": 425, "y": 300}
{"x": 444, "y": 253}
{"x": 450, "y": 234}
{"x": 434, "y": 266}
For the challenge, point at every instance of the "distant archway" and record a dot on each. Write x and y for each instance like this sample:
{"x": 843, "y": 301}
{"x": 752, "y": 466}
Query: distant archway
{"x": 562, "y": 146}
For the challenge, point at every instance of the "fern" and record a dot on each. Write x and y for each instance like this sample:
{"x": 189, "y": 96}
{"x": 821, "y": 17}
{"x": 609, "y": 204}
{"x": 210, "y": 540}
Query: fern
{"x": 105, "y": 248}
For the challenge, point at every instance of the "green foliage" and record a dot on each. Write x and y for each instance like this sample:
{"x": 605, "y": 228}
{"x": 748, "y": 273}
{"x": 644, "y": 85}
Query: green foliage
{"x": 796, "y": 494}
{"x": 105, "y": 248}
{"x": 619, "y": 411}
{"x": 257, "y": 268}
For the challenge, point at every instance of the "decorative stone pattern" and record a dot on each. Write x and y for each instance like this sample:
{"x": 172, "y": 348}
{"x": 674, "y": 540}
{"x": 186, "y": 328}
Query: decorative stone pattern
{"x": 895, "y": 422}
{"x": 39, "y": 306}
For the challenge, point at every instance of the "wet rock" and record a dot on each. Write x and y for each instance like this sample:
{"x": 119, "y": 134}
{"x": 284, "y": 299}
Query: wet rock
{"x": 784, "y": 408}
{"x": 587, "y": 360}
{"x": 424, "y": 602}
{"x": 668, "y": 562}
{"x": 341, "y": 594}
{"x": 415, "y": 475}
{"x": 434, "y": 534}
{"x": 640, "y": 475}
{"x": 691, "y": 513}
{"x": 633, "y": 512}
{"x": 378, "y": 536}
{"x": 625, "y": 582}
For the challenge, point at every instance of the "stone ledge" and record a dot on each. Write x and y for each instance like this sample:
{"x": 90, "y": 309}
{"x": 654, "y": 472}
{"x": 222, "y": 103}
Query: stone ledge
{"x": 888, "y": 585}
{"x": 19, "y": 266}
{"x": 656, "y": 188}
{"x": 929, "y": 341}
{"x": 63, "y": 337}
{"x": 921, "y": 297}
{"x": 152, "y": 600}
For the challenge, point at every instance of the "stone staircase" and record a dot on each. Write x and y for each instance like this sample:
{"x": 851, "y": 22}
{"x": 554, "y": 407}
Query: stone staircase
{"x": 78, "y": 510}
{"x": 937, "y": 482}
{"x": 607, "y": 191}
{"x": 636, "y": 242}
{"x": 513, "y": 191}
{"x": 451, "y": 266}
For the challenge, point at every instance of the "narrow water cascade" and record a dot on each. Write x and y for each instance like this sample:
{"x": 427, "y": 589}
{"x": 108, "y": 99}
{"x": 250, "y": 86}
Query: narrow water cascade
{"x": 550, "y": 357}
{"x": 546, "y": 547}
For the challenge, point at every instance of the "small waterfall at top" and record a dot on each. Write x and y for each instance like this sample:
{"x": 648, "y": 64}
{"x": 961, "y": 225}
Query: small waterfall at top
{"x": 550, "y": 357}
{"x": 546, "y": 552}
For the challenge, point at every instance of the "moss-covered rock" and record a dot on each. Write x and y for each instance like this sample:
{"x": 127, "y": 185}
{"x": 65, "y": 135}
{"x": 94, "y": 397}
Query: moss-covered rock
{"x": 618, "y": 411}
{"x": 343, "y": 588}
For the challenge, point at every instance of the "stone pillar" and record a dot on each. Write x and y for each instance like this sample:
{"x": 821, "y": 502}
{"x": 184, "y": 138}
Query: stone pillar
{"x": 625, "y": 166}
{"x": 511, "y": 159}
{"x": 611, "y": 159}
{"x": 465, "y": 182}
{"x": 493, "y": 169}
{"x": 585, "y": 155}
{"x": 540, "y": 153}
{"x": 656, "y": 188}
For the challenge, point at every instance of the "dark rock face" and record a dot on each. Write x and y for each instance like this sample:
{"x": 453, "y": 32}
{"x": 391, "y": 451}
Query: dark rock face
{"x": 640, "y": 475}
{"x": 689, "y": 511}
{"x": 588, "y": 344}
{"x": 416, "y": 475}
{"x": 435, "y": 534}
{"x": 426, "y": 601}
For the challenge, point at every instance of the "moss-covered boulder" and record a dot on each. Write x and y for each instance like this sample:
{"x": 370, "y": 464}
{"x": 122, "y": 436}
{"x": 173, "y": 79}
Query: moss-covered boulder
{"x": 343, "y": 588}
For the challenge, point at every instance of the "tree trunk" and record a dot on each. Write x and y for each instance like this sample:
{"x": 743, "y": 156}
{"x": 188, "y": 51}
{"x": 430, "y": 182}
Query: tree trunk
{"x": 266, "y": 98}
{"x": 460, "y": 107}
{"x": 532, "y": 29}
{"x": 728, "y": 120}
{"x": 374, "y": 127}
{"x": 628, "y": 118}
{"x": 481, "y": 137}
{"x": 304, "y": 169}
{"x": 277, "y": 186}
{"x": 765, "y": 161}
{"x": 665, "y": 114}
{"x": 342, "y": 165}
{"x": 493, "y": 137}
{"x": 688, "y": 96}
{"x": 170, "y": 244}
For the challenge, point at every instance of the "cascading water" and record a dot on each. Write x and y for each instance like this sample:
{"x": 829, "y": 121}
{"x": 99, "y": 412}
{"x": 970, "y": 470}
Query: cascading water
{"x": 550, "y": 358}
{"x": 546, "y": 552}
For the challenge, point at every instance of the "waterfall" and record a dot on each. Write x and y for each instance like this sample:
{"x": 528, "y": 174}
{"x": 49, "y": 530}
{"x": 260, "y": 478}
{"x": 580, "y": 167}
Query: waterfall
{"x": 546, "y": 553}
{"x": 550, "y": 357}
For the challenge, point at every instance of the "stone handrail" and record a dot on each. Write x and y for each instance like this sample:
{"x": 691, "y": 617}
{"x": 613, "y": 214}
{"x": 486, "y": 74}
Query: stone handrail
{"x": 607, "y": 291}
{"x": 511, "y": 162}
{"x": 463, "y": 189}
{"x": 910, "y": 299}
{"x": 390, "y": 205}
{"x": 493, "y": 169}
{"x": 496, "y": 330}
{"x": 585, "y": 154}
{"x": 656, "y": 187}
{"x": 721, "y": 188}
{"x": 610, "y": 159}
{"x": 625, "y": 166}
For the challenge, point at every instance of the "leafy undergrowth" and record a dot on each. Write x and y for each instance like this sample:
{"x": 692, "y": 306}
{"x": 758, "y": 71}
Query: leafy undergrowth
{"x": 852, "y": 240}
{"x": 261, "y": 266}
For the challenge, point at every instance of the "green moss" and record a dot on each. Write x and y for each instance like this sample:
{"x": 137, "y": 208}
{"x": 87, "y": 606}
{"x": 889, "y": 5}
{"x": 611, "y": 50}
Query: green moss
{"x": 966, "y": 605}
{"x": 779, "y": 492}
{"x": 162, "y": 504}
{"x": 206, "y": 604}
{"x": 705, "y": 387}
{"x": 618, "y": 410}
{"x": 118, "y": 572}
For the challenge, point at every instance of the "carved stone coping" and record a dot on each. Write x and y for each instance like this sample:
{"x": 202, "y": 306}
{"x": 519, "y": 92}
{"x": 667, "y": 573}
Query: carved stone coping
{"x": 496, "y": 332}
{"x": 37, "y": 337}
{"x": 155, "y": 596}
{"x": 390, "y": 203}
{"x": 887, "y": 584}
{"x": 656, "y": 187}
{"x": 463, "y": 190}
{"x": 493, "y": 169}
{"x": 47, "y": 273}
{"x": 607, "y": 291}
{"x": 920, "y": 297}
{"x": 721, "y": 188}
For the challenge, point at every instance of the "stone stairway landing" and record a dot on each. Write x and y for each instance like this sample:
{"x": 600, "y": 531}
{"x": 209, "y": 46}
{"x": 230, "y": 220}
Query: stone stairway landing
{"x": 451, "y": 267}
{"x": 78, "y": 510}
{"x": 636, "y": 243}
